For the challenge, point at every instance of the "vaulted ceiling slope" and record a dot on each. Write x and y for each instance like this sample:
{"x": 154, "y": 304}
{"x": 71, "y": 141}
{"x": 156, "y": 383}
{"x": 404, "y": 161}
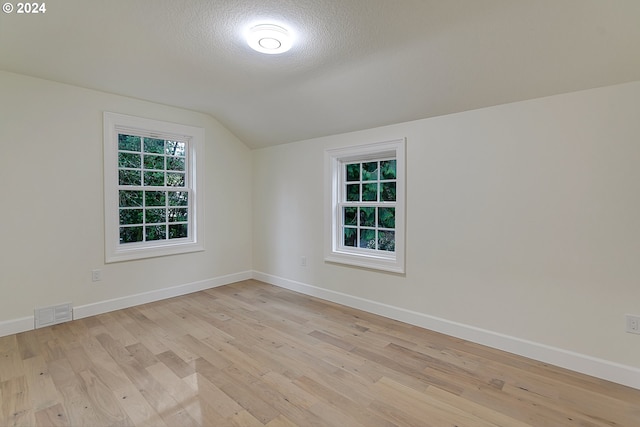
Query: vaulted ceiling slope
{"x": 355, "y": 64}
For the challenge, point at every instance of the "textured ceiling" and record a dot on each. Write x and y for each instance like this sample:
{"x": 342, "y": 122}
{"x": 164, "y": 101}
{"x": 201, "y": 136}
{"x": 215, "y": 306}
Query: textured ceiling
{"x": 355, "y": 64}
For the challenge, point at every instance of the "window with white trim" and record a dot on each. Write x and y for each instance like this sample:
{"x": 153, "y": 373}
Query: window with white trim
{"x": 365, "y": 205}
{"x": 153, "y": 199}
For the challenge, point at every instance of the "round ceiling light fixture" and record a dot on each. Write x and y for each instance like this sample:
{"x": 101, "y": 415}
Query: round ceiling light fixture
{"x": 269, "y": 38}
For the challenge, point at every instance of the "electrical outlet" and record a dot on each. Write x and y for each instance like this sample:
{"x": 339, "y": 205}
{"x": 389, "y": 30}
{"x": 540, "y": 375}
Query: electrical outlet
{"x": 96, "y": 275}
{"x": 303, "y": 261}
{"x": 633, "y": 324}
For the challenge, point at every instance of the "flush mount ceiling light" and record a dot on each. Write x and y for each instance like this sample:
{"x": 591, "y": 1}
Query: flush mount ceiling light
{"x": 269, "y": 38}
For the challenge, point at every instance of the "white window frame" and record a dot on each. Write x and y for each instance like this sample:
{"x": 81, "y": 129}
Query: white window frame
{"x": 335, "y": 251}
{"x": 118, "y": 123}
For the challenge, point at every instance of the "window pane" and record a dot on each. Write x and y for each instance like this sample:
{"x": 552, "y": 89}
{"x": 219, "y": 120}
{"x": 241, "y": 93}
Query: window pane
{"x": 152, "y": 145}
{"x": 130, "y": 216}
{"x": 178, "y": 198}
{"x": 128, "y": 142}
{"x": 156, "y": 232}
{"x": 387, "y": 217}
{"x": 154, "y": 179}
{"x": 353, "y": 192}
{"x": 350, "y": 216}
{"x": 153, "y": 162}
{"x": 388, "y": 169}
{"x": 175, "y": 179}
{"x": 369, "y": 192}
{"x": 370, "y": 171}
{"x": 130, "y": 198}
{"x": 130, "y": 234}
{"x": 387, "y": 241}
{"x": 129, "y": 177}
{"x": 154, "y": 198}
{"x": 175, "y": 163}
{"x": 177, "y": 231}
{"x": 128, "y": 160}
{"x": 175, "y": 148}
{"x": 353, "y": 172}
{"x": 350, "y": 236}
{"x": 368, "y": 239}
{"x": 367, "y": 217}
{"x": 388, "y": 191}
{"x": 156, "y": 215}
{"x": 178, "y": 214}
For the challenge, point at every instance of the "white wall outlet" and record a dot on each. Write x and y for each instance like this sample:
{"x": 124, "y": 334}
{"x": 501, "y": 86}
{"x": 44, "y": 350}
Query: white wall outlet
{"x": 96, "y": 275}
{"x": 303, "y": 261}
{"x": 633, "y": 324}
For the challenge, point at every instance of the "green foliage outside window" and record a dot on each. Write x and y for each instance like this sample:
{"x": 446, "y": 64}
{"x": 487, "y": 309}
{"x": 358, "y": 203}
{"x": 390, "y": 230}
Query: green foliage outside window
{"x": 369, "y": 227}
{"x": 149, "y": 211}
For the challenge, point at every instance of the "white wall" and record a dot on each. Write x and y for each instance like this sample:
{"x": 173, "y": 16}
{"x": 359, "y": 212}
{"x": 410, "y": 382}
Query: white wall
{"x": 523, "y": 220}
{"x": 51, "y": 214}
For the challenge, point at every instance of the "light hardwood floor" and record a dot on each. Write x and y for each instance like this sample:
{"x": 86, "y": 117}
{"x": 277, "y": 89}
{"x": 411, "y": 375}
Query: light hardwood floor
{"x": 250, "y": 354}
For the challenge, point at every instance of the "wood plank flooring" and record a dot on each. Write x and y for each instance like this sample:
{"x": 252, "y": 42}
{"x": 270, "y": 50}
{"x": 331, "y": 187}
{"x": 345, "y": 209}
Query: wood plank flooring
{"x": 251, "y": 354}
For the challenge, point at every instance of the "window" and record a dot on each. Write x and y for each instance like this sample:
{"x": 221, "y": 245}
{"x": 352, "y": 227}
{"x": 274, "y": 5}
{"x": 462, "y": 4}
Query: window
{"x": 365, "y": 205}
{"x": 153, "y": 199}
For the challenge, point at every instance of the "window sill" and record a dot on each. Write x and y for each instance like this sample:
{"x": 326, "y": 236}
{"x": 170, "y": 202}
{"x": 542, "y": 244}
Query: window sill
{"x": 146, "y": 251}
{"x": 373, "y": 262}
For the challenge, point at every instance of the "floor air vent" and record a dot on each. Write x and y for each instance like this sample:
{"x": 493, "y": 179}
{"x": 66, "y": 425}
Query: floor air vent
{"x": 47, "y": 316}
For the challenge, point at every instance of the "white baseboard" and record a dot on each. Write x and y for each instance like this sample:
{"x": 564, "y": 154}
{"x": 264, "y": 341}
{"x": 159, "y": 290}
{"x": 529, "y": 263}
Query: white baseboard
{"x": 157, "y": 295}
{"x": 15, "y": 326}
{"x": 599, "y": 368}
